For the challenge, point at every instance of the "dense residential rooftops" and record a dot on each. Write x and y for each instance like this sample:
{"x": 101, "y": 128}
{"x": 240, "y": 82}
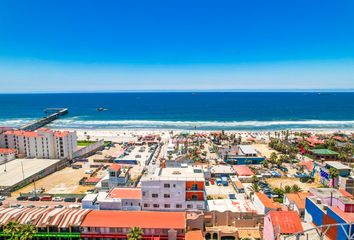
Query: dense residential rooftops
{"x": 285, "y": 222}
{"x": 129, "y": 219}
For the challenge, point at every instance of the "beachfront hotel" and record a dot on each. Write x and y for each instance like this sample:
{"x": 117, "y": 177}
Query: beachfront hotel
{"x": 43, "y": 143}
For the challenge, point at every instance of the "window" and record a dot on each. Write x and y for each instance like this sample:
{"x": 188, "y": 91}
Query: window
{"x": 156, "y": 205}
{"x": 146, "y": 205}
{"x": 144, "y": 193}
{"x": 194, "y": 197}
{"x": 194, "y": 186}
{"x": 178, "y": 205}
{"x": 166, "y": 195}
{"x": 155, "y": 195}
{"x": 112, "y": 174}
{"x": 174, "y": 185}
{"x": 167, "y": 205}
{"x": 189, "y": 206}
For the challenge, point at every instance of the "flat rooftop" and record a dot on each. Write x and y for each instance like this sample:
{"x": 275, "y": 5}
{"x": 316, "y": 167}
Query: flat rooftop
{"x": 337, "y": 165}
{"x": 247, "y": 149}
{"x": 239, "y": 205}
{"x": 182, "y": 173}
{"x": 14, "y": 174}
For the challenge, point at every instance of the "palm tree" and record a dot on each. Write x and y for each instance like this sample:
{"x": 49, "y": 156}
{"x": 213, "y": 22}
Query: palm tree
{"x": 287, "y": 189}
{"x": 13, "y": 230}
{"x": 17, "y": 231}
{"x": 295, "y": 189}
{"x": 273, "y": 157}
{"x": 135, "y": 233}
{"x": 28, "y": 231}
{"x": 254, "y": 188}
{"x": 333, "y": 173}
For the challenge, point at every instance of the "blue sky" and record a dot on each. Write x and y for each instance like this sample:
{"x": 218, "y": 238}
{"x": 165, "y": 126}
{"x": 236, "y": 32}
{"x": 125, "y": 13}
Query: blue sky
{"x": 58, "y": 46}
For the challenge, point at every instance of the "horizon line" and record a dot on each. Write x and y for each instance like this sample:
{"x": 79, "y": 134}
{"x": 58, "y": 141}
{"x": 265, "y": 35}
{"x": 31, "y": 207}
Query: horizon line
{"x": 313, "y": 90}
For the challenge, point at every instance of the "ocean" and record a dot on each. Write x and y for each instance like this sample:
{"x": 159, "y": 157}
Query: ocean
{"x": 185, "y": 110}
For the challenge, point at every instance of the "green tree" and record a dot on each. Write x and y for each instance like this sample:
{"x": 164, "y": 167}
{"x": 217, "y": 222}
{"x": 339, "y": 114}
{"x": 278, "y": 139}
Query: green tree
{"x": 287, "y": 189}
{"x": 254, "y": 188}
{"x": 273, "y": 157}
{"x": 17, "y": 231}
{"x": 28, "y": 232}
{"x": 295, "y": 188}
{"x": 135, "y": 233}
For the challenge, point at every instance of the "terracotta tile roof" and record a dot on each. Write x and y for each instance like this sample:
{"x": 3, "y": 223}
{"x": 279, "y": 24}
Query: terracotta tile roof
{"x": 22, "y": 133}
{"x": 308, "y": 164}
{"x": 115, "y": 167}
{"x": 128, "y": 219}
{"x": 93, "y": 180}
{"x": 243, "y": 170}
{"x": 194, "y": 235}
{"x": 129, "y": 193}
{"x": 7, "y": 150}
{"x": 285, "y": 222}
{"x": 267, "y": 202}
{"x": 61, "y": 134}
{"x": 298, "y": 199}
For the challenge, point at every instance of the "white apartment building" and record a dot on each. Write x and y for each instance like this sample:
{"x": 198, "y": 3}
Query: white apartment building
{"x": 43, "y": 143}
{"x": 7, "y": 155}
{"x": 173, "y": 189}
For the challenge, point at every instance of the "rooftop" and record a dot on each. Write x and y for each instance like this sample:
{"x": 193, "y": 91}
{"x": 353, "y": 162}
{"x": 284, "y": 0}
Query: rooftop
{"x": 323, "y": 152}
{"x": 128, "y": 219}
{"x": 222, "y": 205}
{"x": 178, "y": 173}
{"x": 115, "y": 167}
{"x": 298, "y": 199}
{"x": 7, "y": 150}
{"x": 337, "y": 165}
{"x": 285, "y": 222}
{"x": 13, "y": 173}
{"x": 243, "y": 170}
{"x": 128, "y": 193}
{"x": 267, "y": 202}
{"x": 247, "y": 149}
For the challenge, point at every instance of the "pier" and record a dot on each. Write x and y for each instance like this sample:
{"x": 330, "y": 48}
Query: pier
{"x": 55, "y": 113}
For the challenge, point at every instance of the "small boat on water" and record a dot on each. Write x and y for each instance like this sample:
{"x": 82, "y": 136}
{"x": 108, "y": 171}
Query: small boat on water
{"x": 101, "y": 109}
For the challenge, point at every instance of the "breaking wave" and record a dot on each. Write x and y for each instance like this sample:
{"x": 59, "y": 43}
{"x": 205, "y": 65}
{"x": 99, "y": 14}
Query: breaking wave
{"x": 201, "y": 125}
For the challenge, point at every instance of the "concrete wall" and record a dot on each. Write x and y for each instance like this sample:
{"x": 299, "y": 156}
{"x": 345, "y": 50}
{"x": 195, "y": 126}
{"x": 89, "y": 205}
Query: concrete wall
{"x": 90, "y": 148}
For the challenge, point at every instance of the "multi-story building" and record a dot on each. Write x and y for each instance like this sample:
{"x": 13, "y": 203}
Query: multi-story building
{"x": 43, "y": 143}
{"x": 117, "y": 176}
{"x": 174, "y": 189}
{"x": 7, "y": 154}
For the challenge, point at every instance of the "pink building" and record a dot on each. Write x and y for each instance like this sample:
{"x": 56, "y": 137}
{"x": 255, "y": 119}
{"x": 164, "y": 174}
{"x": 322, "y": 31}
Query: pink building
{"x": 279, "y": 223}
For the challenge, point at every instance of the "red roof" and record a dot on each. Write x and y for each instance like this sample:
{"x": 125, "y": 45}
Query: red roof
{"x": 93, "y": 180}
{"x": 285, "y": 222}
{"x": 315, "y": 140}
{"x": 22, "y": 133}
{"x": 115, "y": 167}
{"x": 130, "y": 193}
{"x": 345, "y": 193}
{"x": 308, "y": 164}
{"x": 267, "y": 202}
{"x": 298, "y": 198}
{"x": 243, "y": 170}
{"x": 61, "y": 134}
{"x": 7, "y": 150}
{"x": 129, "y": 219}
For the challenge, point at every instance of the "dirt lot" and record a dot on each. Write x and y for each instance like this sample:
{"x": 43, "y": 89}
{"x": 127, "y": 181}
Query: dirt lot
{"x": 282, "y": 182}
{"x": 264, "y": 149}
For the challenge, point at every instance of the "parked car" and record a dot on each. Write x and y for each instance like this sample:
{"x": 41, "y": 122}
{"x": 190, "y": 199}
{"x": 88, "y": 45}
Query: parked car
{"x": 58, "y": 206}
{"x": 88, "y": 171}
{"x": 69, "y": 199}
{"x": 22, "y": 198}
{"x": 57, "y": 199}
{"x": 33, "y": 198}
{"x": 2, "y": 198}
{"x": 30, "y": 206}
{"x": 46, "y": 198}
{"x": 79, "y": 200}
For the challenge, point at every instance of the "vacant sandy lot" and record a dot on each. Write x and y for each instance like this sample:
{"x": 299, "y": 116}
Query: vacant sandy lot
{"x": 282, "y": 182}
{"x": 264, "y": 149}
